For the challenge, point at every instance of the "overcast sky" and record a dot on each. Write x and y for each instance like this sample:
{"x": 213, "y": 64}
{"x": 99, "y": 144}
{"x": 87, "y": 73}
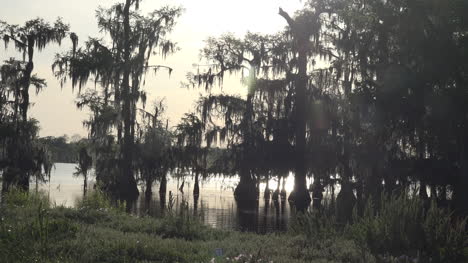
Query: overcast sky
{"x": 55, "y": 108}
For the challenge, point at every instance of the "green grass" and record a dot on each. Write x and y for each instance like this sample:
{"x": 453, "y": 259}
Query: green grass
{"x": 31, "y": 230}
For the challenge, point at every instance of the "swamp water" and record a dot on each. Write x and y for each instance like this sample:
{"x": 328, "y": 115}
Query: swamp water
{"x": 215, "y": 206}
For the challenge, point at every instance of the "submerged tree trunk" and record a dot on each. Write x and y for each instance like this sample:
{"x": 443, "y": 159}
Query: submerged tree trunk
{"x": 300, "y": 195}
{"x": 195, "y": 204}
{"x": 360, "y": 202}
{"x": 423, "y": 190}
{"x": 23, "y": 180}
{"x": 163, "y": 185}
{"x": 196, "y": 187}
{"x": 276, "y": 193}
{"x": 283, "y": 189}
{"x": 433, "y": 192}
{"x": 149, "y": 187}
{"x": 317, "y": 194}
{"x": 266, "y": 193}
{"x": 345, "y": 202}
{"x": 85, "y": 185}
{"x": 245, "y": 190}
{"x": 332, "y": 198}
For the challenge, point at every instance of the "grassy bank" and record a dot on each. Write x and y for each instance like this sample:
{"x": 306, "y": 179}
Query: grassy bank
{"x": 33, "y": 231}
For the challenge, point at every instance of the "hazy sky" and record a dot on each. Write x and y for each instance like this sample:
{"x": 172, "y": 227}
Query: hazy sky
{"x": 55, "y": 108}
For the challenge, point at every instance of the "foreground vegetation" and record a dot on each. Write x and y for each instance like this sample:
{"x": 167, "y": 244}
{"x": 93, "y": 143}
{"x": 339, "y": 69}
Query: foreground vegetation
{"x": 31, "y": 230}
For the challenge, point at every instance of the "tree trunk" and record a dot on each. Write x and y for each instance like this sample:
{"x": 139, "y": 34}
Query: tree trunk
{"x": 195, "y": 204}
{"x": 23, "y": 180}
{"x": 266, "y": 193}
{"x": 460, "y": 193}
{"x": 162, "y": 192}
{"x": 433, "y": 192}
{"x": 196, "y": 187}
{"x": 283, "y": 189}
{"x": 276, "y": 193}
{"x": 345, "y": 202}
{"x": 317, "y": 194}
{"x": 126, "y": 185}
{"x": 85, "y": 185}
{"x": 245, "y": 190}
{"x": 300, "y": 196}
{"x": 163, "y": 185}
{"x": 149, "y": 186}
{"x": 422, "y": 190}
{"x": 27, "y": 79}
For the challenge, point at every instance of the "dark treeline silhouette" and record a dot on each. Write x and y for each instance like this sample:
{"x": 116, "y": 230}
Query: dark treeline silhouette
{"x": 367, "y": 96}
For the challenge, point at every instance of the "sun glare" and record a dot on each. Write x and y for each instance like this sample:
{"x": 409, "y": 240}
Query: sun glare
{"x": 273, "y": 183}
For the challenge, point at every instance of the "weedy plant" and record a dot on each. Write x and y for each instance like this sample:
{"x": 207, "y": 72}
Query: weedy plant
{"x": 97, "y": 200}
{"x": 27, "y": 229}
{"x": 182, "y": 223}
{"x": 402, "y": 226}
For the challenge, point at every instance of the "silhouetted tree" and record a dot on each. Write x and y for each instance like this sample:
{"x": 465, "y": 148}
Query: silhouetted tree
{"x": 120, "y": 69}
{"x": 154, "y": 156}
{"x": 17, "y": 77}
{"x": 189, "y": 134}
{"x": 85, "y": 163}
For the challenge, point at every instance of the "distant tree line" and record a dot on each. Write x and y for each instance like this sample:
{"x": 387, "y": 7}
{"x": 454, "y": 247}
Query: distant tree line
{"x": 61, "y": 149}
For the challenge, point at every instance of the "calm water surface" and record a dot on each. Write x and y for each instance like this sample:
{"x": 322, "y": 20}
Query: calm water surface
{"x": 215, "y": 206}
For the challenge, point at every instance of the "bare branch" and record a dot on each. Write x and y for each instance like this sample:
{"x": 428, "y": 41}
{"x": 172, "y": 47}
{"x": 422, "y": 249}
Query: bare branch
{"x": 288, "y": 18}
